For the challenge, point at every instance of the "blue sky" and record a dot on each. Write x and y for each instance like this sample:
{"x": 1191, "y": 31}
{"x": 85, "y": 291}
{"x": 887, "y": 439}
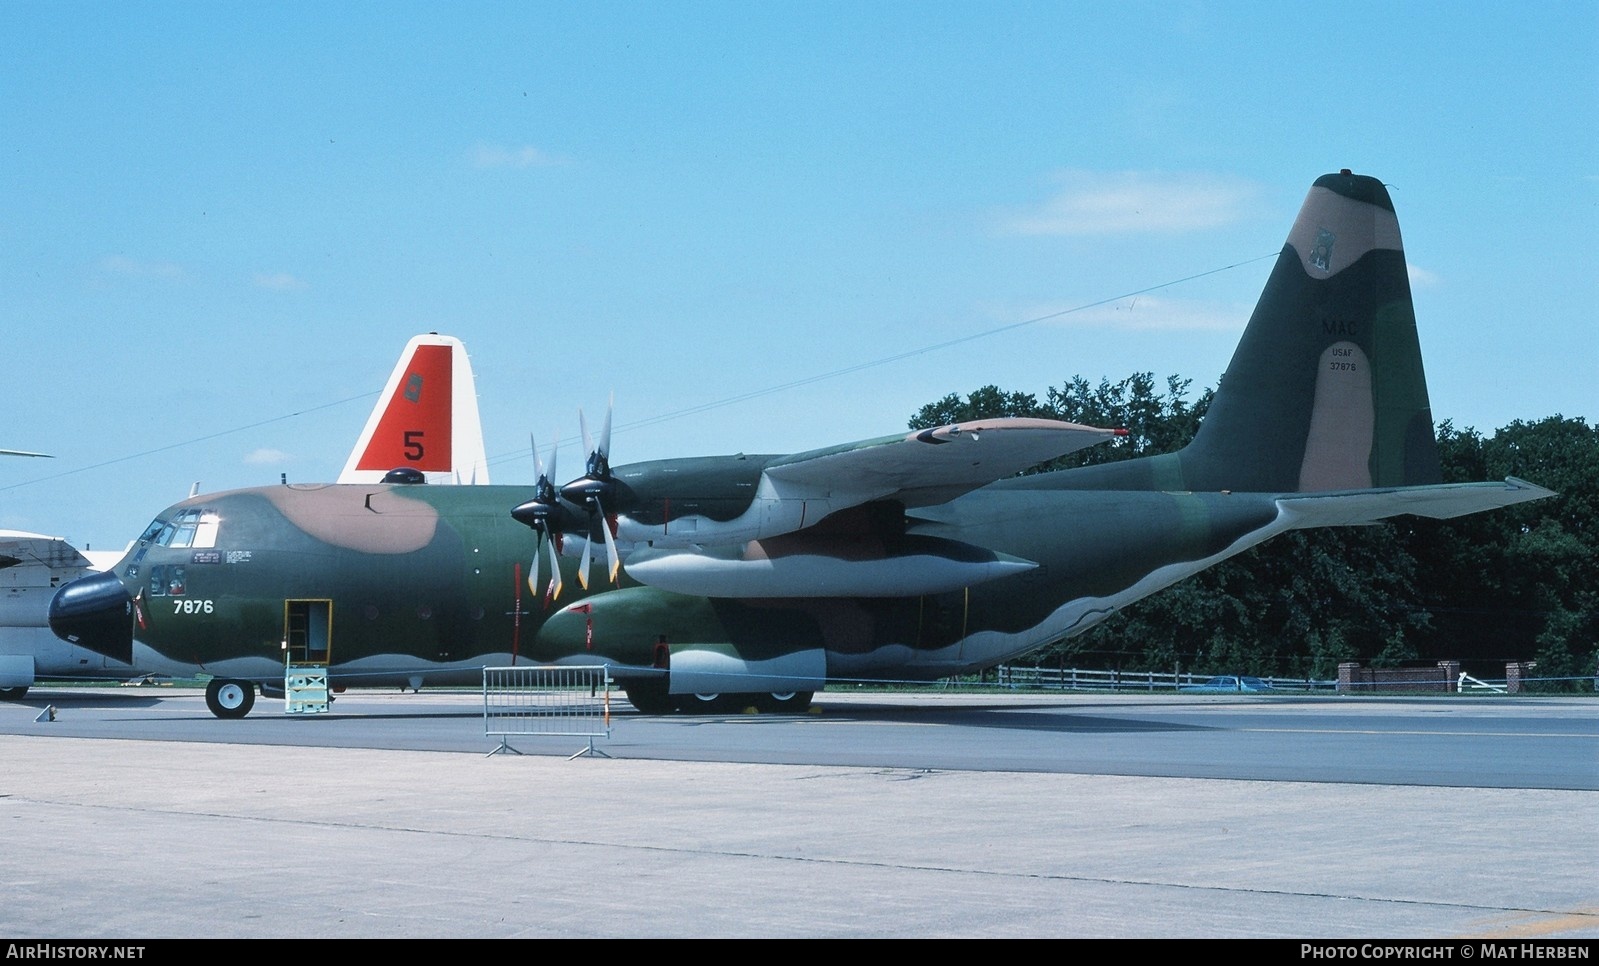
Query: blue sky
{"x": 222, "y": 221}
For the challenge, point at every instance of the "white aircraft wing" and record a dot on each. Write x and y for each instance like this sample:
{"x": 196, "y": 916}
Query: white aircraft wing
{"x": 20, "y": 548}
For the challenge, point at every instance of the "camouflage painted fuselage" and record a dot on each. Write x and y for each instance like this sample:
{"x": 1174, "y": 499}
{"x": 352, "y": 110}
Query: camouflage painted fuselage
{"x": 429, "y": 583}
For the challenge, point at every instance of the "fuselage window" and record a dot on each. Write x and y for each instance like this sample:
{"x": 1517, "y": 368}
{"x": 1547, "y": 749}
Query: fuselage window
{"x": 206, "y": 534}
{"x": 190, "y": 529}
{"x": 167, "y": 581}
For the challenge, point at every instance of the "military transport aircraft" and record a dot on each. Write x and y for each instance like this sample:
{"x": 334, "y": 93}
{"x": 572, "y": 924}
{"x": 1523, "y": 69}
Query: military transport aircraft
{"x": 760, "y": 579}
{"x": 425, "y": 422}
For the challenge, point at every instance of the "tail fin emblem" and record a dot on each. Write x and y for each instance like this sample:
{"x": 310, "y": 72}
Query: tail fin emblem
{"x": 1321, "y": 254}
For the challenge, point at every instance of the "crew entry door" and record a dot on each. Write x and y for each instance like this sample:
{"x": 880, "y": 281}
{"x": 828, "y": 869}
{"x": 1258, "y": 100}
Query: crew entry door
{"x": 308, "y": 631}
{"x": 307, "y": 649}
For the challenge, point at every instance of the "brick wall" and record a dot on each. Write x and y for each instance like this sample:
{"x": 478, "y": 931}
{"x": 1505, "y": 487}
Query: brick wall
{"x": 1444, "y": 678}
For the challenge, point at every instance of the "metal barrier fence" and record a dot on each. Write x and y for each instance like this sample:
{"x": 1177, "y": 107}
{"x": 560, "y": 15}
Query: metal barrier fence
{"x": 547, "y": 700}
{"x": 1446, "y": 677}
{"x": 1075, "y": 679}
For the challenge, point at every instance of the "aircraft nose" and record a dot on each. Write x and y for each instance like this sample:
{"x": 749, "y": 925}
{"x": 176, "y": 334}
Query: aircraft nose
{"x": 95, "y": 612}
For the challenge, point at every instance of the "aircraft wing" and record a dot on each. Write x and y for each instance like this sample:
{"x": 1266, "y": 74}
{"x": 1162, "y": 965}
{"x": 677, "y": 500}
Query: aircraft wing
{"x": 932, "y": 466}
{"x": 774, "y": 549}
{"x": 18, "y": 548}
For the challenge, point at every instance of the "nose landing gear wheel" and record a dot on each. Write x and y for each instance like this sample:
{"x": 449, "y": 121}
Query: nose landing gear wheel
{"x": 229, "y": 699}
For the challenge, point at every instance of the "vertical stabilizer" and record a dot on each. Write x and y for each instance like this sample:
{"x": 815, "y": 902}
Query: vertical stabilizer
{"x": 1326, "y": 389}
{"x": 426, "y": 420}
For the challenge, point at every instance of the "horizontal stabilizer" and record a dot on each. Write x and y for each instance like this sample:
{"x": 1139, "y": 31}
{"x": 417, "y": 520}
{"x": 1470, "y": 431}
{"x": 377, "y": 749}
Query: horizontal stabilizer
{"x": 1441, "y": 502}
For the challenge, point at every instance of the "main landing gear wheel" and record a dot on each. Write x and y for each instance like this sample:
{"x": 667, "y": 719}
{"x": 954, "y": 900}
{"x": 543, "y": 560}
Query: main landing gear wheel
{"x": 650, "y": 698}
{"x": 790, "y": 701}
{"x": 228, "y": 698}
{"x": 707, "y": 703}
{"x": 12, "y": 694}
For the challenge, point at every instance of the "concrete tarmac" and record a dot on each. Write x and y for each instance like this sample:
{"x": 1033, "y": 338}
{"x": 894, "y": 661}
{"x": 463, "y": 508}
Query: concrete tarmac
{"x": 122, "y": 840}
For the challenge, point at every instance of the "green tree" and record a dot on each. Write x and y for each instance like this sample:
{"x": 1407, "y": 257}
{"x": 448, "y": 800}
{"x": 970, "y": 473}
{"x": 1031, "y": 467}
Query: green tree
{"x": 1156, "y": 422}
{"x": 989, "y": 402}
{"x": 1520, "y": 583}
{"x": 1296, "y": 606}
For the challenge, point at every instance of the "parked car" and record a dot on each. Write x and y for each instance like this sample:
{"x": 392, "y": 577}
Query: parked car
{"x": 1228, "y": 684}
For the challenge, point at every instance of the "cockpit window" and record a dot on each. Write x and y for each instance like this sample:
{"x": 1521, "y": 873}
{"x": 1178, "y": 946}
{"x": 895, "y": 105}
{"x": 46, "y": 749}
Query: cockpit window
{"x": 187, "y": 529}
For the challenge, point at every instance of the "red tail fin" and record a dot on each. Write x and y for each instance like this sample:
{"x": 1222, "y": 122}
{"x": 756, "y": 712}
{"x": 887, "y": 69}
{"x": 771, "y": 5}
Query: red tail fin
{"x": 426, "y": 419}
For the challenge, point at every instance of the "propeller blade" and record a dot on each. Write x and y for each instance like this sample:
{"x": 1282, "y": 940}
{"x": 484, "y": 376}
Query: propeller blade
{"x": 556, "y": 584}
{"x": 610, "y": 543}
{"x": 583, "y": 565}
{"x": 538, "y": 472}
{"x": 610, "y": 548}
{"x": 598, "y": 465}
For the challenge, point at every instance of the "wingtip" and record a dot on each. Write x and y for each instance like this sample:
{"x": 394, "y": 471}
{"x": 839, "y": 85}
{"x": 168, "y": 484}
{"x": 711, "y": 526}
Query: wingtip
{"x": 1537, "y": 492}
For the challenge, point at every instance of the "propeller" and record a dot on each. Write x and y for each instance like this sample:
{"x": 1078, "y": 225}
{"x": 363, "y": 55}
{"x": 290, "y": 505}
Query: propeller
{"x": 596, "y": 490}
{"x": 584, "y": 506}
{"x": 549, "y": 517}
